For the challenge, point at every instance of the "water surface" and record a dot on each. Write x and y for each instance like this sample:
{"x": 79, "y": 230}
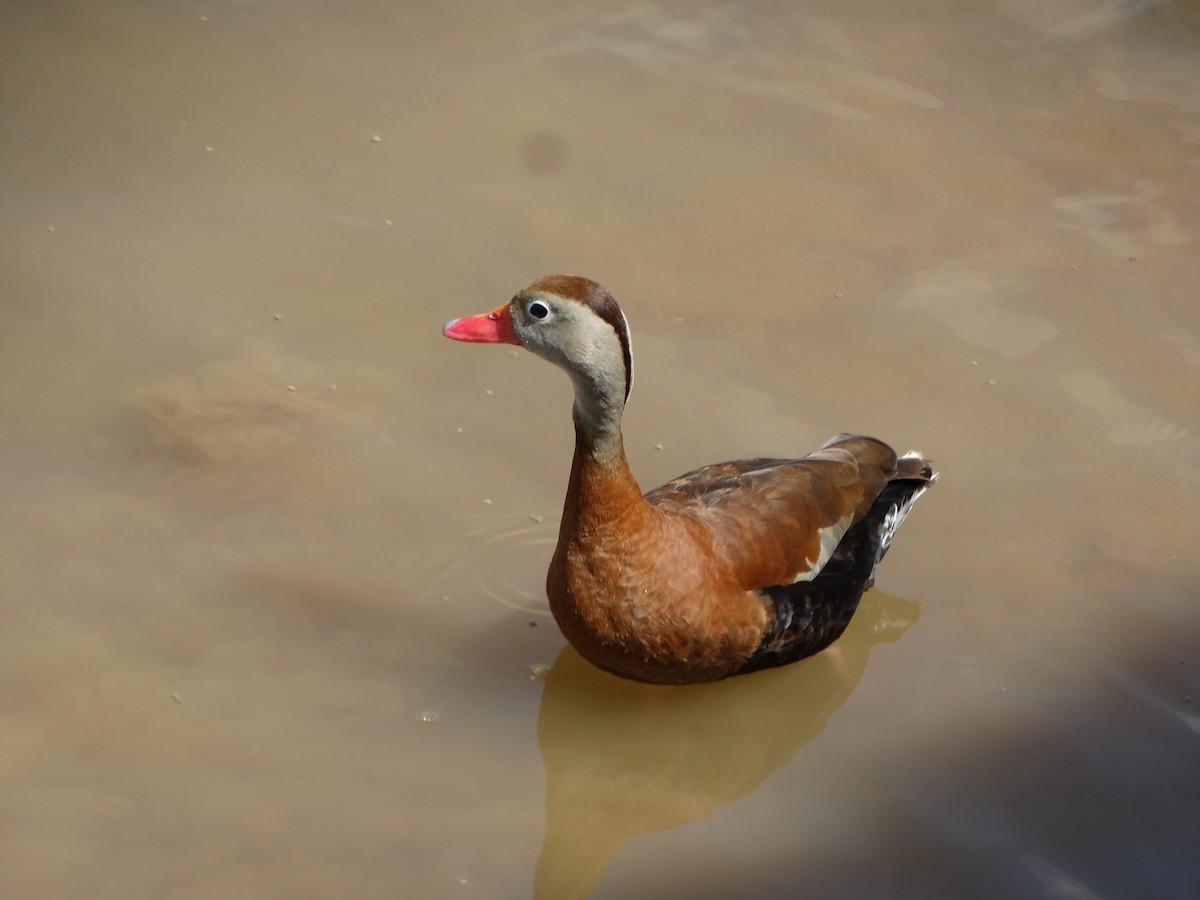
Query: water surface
{"x": 274, "y": 549}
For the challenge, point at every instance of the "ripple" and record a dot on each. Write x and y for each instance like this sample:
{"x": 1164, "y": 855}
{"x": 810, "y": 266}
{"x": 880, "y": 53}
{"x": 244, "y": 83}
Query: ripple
{"x": 502, "y": 556}
{"x": 970, "y": 303}
{"x": 513, "y": 556}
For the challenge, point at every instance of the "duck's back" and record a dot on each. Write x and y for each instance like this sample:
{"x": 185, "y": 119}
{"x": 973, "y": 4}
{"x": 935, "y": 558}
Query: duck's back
{"x": 779, "y": 521}
{"x": 806, "y": 534}
{"x": 808, "y": 616}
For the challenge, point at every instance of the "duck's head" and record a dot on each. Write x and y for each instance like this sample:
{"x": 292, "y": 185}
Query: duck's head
{"x": 576, "y": 324}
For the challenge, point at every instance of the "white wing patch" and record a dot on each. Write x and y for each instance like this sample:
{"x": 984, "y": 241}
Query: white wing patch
{"x": 830, "y": 536}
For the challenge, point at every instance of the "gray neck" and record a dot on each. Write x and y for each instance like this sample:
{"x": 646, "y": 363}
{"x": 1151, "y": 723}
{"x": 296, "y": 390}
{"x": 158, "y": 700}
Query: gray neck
{"x": 597, "y": 414}
{"x": 589, "y": 349}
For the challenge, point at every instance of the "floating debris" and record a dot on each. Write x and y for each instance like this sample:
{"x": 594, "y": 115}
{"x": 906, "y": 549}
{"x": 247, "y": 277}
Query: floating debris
{"x": 539, "y": 672}
{"x": 536, "y": 518}
{"x": 658, "y": 446}
{"x": 176, "y": 698}
{"x": 427, "y": 716}
{"x": 278, "y": 317}
{"x": 375, "y": 139}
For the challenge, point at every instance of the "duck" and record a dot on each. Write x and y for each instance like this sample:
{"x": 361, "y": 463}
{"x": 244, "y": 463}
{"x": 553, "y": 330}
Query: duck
{"x": 732, "y": 568}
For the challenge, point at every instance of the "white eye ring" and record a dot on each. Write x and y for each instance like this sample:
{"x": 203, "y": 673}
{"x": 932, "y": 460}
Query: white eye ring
{"x": 538, "y": 309}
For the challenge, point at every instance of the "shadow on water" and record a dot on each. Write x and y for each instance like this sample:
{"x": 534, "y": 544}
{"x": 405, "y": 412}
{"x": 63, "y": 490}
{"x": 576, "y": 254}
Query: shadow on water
{"x": 623, "y": 759}
{"x": 1093, "y": 800}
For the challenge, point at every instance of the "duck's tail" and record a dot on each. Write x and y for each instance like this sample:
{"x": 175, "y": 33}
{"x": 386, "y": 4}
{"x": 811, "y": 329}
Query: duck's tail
{"x": 810, "y": 615}
{"x": 913, "y": 477}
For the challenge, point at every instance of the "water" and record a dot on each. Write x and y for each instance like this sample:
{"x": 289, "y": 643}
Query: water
{"x": 274, "y": 549}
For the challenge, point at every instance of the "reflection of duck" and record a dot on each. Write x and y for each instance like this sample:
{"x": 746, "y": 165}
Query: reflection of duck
{"x": 623, "y": 759}
{"x": 732, "y": 568}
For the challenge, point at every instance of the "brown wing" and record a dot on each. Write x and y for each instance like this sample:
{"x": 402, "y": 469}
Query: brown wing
{"x": 778, "y": 521}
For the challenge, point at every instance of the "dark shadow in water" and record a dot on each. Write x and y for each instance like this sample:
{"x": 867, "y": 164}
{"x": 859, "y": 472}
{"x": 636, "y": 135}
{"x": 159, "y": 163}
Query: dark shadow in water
{"x": 624, "y": 759}
{"x": 1096, "y": 797}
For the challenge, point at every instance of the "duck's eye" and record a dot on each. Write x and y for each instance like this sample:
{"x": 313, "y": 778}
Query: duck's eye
{"x": 538, "y": 309}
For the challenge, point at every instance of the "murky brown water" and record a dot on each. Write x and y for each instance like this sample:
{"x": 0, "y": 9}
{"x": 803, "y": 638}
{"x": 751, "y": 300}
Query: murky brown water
{"x": 261, "y": 520}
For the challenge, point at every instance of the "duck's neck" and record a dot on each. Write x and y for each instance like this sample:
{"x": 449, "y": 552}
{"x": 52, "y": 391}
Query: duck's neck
{"x": 602, "y": 485}
{"x": 597, "y": 414}
{"x": 602, "y": 488}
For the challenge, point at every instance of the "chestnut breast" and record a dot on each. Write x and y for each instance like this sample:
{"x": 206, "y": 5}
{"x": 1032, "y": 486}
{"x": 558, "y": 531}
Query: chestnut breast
{"x": 643, "y": 592}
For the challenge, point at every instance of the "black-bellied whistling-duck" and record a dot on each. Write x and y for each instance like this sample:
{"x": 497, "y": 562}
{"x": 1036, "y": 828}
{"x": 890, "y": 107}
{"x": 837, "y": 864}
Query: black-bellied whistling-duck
{"x": 732, "y": 568}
